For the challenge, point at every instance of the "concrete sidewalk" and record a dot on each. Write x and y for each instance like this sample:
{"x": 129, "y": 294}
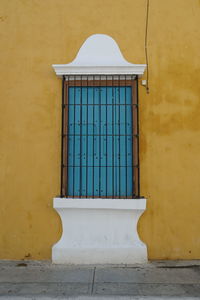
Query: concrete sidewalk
{"x": 155, "y": 280}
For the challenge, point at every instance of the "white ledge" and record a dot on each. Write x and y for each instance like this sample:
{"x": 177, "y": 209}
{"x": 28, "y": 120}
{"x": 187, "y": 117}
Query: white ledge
{"x": 99, "y": 54}
{"x": 95, "y": 203}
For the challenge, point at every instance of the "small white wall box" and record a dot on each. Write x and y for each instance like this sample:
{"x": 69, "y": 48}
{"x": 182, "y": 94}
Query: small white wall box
{"x": 99, "y": 231}
{"x": 144, "y": 82}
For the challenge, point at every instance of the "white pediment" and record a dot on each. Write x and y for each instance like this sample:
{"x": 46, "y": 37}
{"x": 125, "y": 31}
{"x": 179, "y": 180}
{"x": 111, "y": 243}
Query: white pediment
{"x": 99, "y": 54}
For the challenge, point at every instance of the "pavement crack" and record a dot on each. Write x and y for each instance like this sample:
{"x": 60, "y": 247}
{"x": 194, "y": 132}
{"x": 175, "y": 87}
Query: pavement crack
{"x": 179, "y": 267}
{"x": 93, "y": 279}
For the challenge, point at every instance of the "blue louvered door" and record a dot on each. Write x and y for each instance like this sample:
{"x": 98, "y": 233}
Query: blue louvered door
{"x": 100, "y": 141}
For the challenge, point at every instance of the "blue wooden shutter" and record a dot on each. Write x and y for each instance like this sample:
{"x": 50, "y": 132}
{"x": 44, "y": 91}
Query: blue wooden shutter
{"x": 100, "y": 157}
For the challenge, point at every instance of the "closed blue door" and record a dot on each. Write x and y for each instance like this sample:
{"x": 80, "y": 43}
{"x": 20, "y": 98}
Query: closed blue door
{"x": 100, "y": 141}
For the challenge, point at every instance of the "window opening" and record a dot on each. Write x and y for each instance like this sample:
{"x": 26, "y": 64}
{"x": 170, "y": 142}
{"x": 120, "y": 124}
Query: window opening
{"x": 100, "y": 137}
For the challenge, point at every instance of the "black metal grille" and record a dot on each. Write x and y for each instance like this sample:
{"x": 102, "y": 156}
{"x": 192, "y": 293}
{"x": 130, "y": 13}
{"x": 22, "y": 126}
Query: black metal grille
{"x": 100, "y": 137}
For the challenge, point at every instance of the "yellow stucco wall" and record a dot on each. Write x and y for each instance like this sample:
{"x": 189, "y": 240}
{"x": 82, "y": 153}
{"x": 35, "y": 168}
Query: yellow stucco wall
{"x": 34, "y": 35}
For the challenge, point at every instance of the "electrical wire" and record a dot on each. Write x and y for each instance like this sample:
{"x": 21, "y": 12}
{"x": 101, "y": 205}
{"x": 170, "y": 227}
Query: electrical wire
{"x": 146, "y": 47}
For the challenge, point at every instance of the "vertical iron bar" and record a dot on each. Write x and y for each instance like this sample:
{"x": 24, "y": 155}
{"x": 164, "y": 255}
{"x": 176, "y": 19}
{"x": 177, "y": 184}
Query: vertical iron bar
{"x": 66, "y": 124}
{"x": 133, "y": 94}
{"x": 126, "y": 154}
{"x": 100, "y": 136}
{"x": 62, "y": 137}
{"x": 113, "y": 182}
{"x": 138, "y": 140}
{"x": 106, "y": 136}
{"x": 119, "y": 139}
{"x": 80, "y": 139}
{"x": 87, "y": 142}
{"x": 115, "y": 138}
{"x": 74, "y": 143}
{"x": 93, "y": 135}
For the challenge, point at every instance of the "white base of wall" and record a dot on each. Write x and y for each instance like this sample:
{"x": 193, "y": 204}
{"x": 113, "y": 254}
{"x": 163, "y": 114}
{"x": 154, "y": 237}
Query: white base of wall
{"x": 99, "y": 231}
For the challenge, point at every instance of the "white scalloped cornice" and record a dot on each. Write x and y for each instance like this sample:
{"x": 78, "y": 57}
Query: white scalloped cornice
{"x": 99, "y": 54}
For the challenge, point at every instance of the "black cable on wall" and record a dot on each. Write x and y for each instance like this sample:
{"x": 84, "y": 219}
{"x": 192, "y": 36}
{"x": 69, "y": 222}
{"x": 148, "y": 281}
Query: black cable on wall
{"x": 146, "y": 46}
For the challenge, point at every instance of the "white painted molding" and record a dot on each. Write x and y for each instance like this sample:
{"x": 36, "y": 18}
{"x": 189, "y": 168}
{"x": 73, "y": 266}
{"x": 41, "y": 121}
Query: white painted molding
{"x": 99, "y": 231}
{"x": 99, "y": 54}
